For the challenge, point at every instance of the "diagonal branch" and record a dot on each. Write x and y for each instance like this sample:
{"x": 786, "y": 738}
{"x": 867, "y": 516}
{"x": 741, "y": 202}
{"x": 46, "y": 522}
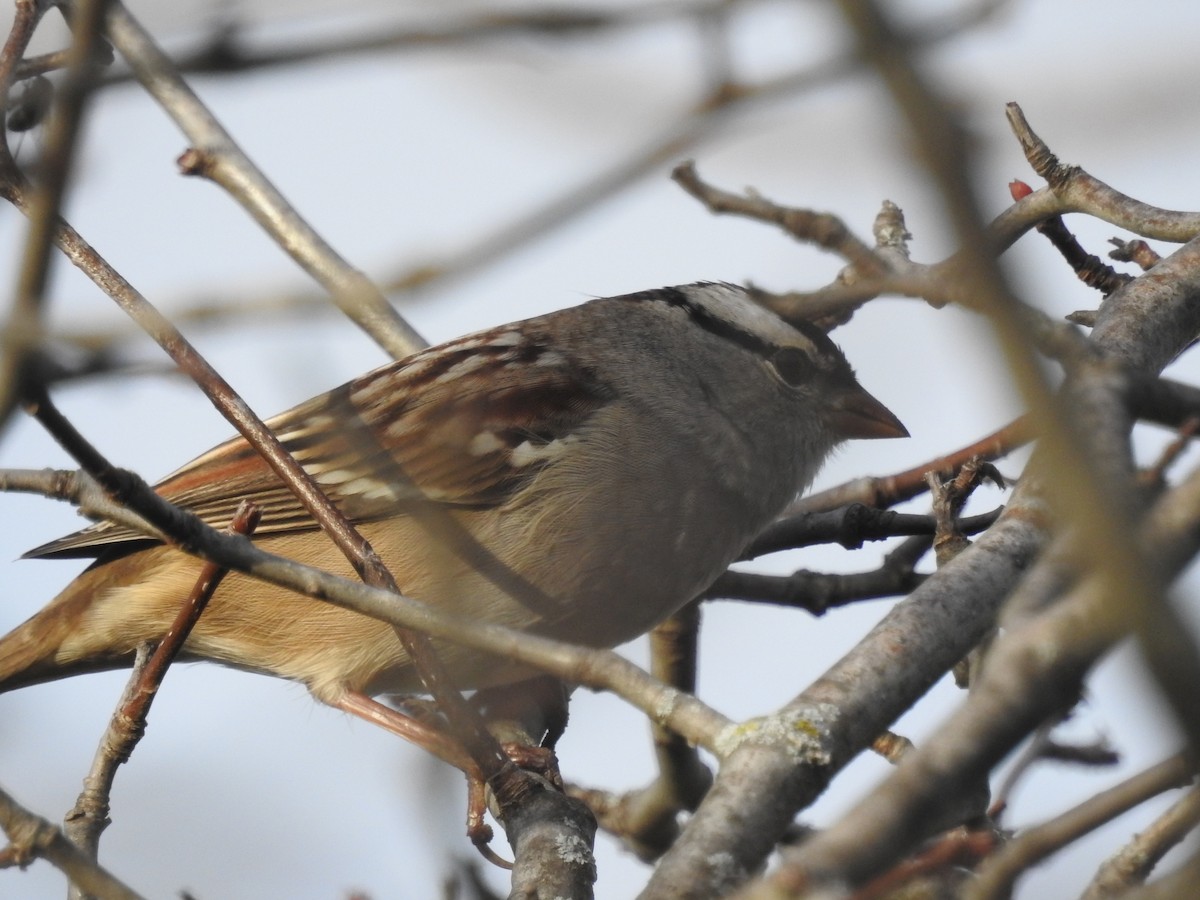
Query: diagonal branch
{"x": 21, "y": 334}
{"x": 89, "y": 817}
{"x": 215, "y": 154}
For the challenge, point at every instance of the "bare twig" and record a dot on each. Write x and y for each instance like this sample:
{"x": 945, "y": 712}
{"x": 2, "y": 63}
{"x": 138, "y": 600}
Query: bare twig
{"x": 227, "y": 51}
{"x": 1030, "y": 755}
{"x": 32, "y": 837}
{"x": 216, "y": 155}
{"x": 1138, "y": 252}
{"x": 888, "y": 490}
{"x": 851, "y": 526}
{"x": 949, "y": 497}
{"x": 706, "y": 117}
{"x": 26, "y": 16}
{"x": 1077, "y": 191}
{"x": 646, "y": 819}
{"x": 1183, "y": 882}
{"x": 21, "y": 334}
{"x": 1087, "y": 267}
{"x": 958, "y": 849}
{"x": 823, "y": 229}
{"x": 819, "y": 592}
{"x": 89, "y": 817}
{"x": 682, "y": 778}
{"x": 1134, "y": 862}
{"x": 998, "y": 874}
{"x": 931, "y": 623}
{"x": 1156, "y": 476}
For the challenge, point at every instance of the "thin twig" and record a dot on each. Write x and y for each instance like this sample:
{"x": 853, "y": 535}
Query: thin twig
{"x": 32, "y": 837}
{"x": 217, "y": 156}
{"x": 1134, "y": 862}
{"x": 851, "y": 526}
{"x": 21, "y": 334}
{"x": 89, "y": 817}
{"x": 1077, "y": 191}
{"x": 888, "y": 490}
{"x": 996, "y": 877}
{"x": 949, "y": 497}
{"x": 819, "y": 592}
{"x": 647, "y": 819}
{"x": 825, "y": 230}
{"x": 704, "y": 118}
{"x": 227, "y": 51}
{"x": 950, "y": 854}
{"x": 1026, "y": 683}
{"x": 1087, "y": 267}
{"x": 1030, "y": 755}
{"x": 1156, "y": 476}
{"x": 1137, "y": 251}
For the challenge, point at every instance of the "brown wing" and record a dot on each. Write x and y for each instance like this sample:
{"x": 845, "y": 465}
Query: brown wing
{"x": 449, "y": 426}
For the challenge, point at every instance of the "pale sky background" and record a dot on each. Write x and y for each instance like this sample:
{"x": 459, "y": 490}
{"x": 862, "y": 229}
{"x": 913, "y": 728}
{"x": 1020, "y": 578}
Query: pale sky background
{"x": 245, "y": 788}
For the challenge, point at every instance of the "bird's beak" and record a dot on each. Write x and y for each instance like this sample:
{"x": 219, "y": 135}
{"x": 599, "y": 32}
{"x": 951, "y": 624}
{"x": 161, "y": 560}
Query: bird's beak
{"x": 856, "y": 414}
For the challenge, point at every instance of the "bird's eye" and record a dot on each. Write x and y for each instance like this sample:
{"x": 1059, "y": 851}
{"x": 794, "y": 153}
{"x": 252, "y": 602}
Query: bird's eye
{"x": 792, "y": 365}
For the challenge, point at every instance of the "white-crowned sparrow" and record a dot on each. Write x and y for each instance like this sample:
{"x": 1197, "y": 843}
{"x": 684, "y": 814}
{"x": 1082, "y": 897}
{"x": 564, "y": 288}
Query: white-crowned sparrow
{"x": 600, "y": 465}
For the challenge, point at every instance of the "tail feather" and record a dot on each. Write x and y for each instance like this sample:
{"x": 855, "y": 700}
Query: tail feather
{"x": 35, "y": 651}
{"x": 26, "y": 658}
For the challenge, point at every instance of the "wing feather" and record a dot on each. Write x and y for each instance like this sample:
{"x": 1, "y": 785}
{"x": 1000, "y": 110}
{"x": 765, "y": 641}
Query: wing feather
{"x": 452, "y": 425}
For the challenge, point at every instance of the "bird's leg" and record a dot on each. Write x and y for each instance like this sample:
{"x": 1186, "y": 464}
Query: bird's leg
{"x": 479, "y": 831}
{"x": 517, "y": 714}
{"x": 442, "y": 745}
{"x": 427, "y": 736}
{"x": 528, "y": 718}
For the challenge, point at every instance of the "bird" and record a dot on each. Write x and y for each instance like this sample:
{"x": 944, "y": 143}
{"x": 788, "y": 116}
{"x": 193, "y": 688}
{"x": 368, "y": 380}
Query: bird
{"x": 596, "y": 468}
